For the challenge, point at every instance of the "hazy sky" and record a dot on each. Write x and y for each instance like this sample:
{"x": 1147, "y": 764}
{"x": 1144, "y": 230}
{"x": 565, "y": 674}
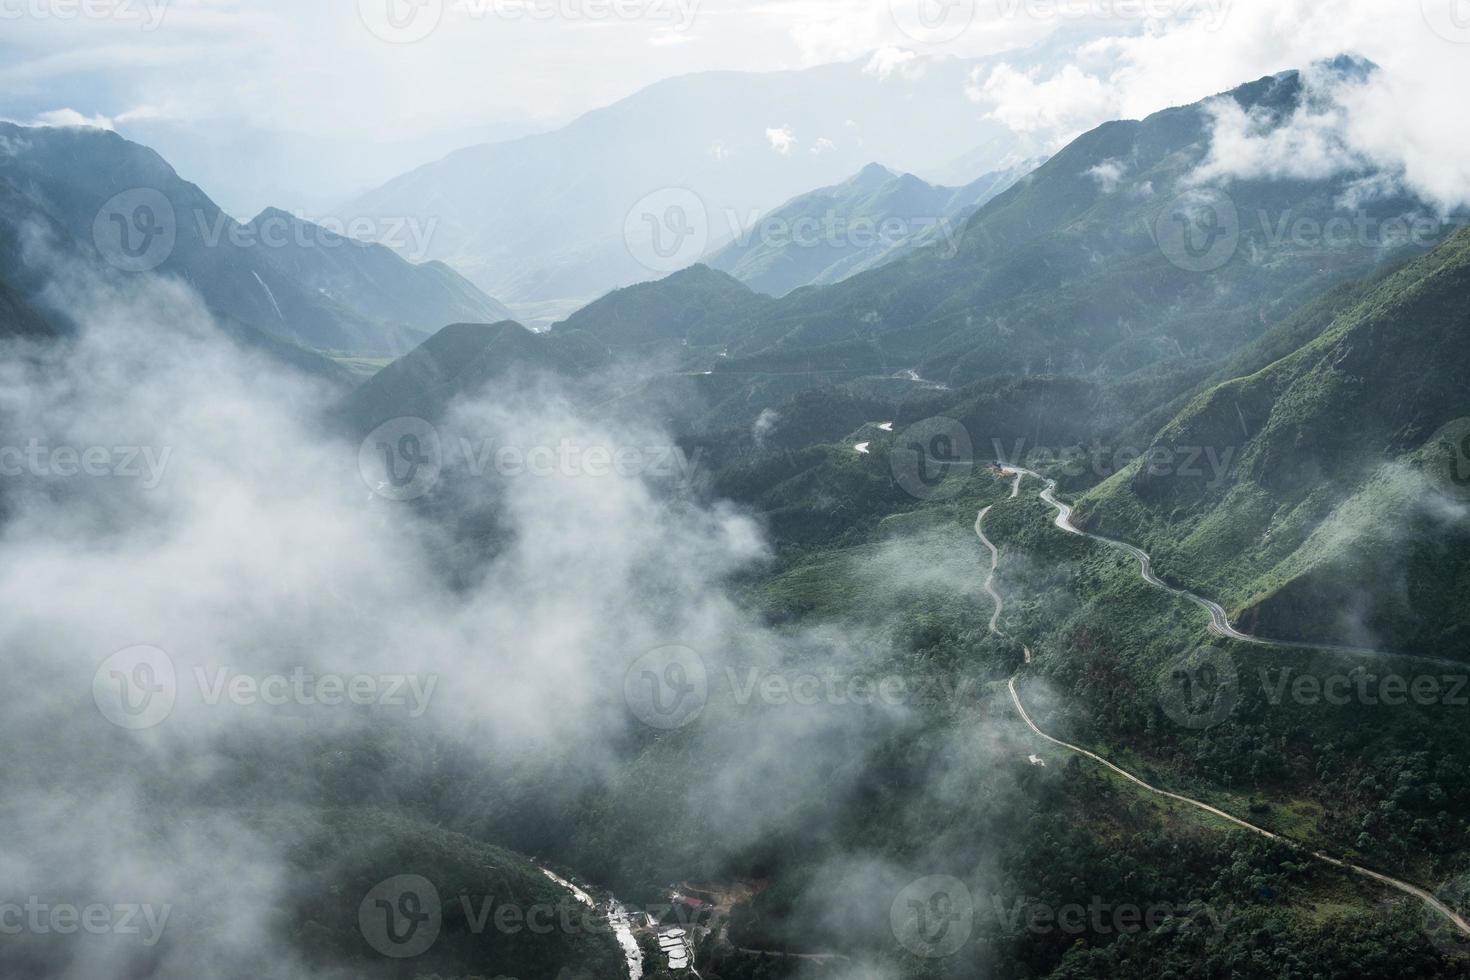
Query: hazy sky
{"x": 304, "y": 101}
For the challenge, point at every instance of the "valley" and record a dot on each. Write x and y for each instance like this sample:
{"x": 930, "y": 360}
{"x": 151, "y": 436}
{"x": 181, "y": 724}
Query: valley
{"x": 833, "y": 494}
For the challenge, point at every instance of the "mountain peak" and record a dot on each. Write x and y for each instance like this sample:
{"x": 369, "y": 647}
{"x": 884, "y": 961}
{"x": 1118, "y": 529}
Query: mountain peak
{"x": 1347, "y": 65}
{"x": 873, "y": 175}
{"x": 273, "y": 213}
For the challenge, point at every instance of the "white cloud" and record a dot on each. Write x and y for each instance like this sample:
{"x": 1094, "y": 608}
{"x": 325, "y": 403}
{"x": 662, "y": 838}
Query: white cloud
{"x": 231, "y": 70}
{"x": 1408, "y": 119}
{"x": 1312, "y": 144}
{"x": 1377, "y": 125}
{"x": 1108, "y": 174}
{"x": 782, "y": 140}
{"x": 886, "y": 61}
{"x": 668, "y": 38}
{"x": 70, "y": 117}
{"x": 822, "y": 145}
{"x": 1054, "y": 108}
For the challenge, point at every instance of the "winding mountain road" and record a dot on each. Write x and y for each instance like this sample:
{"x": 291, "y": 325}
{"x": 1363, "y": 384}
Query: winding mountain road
{"x": 995, "y": 564}
{"x": 1220, "y": 625}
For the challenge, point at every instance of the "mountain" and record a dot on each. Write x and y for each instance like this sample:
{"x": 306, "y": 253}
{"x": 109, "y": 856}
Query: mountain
{"x": 1100, "y": 266}
{"x": 867, "y": 221}
{"x": 372, "y": 280}
{"x": 460, "y": 360}
{"x": 544, "y": 217}
{"x": 123, "y": 201}
{"x": 693, "y": 307}
{"x": 1341, "y": 516}
{"x": 18, "y": 318}
{"x": 22, "y": 280}
{"x": 35, "y": 248}
{"x": 1110, "y": 259}
{"x": 358, "y": 851}
{"x": 1066, "y": 272}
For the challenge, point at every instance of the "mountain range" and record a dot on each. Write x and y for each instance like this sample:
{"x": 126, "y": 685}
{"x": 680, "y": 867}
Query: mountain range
{"x": 1078, "y": 271}
{"x": 112, "y": 201}
{"x": 542, "y": 219}
{"x": 869, "y": 220}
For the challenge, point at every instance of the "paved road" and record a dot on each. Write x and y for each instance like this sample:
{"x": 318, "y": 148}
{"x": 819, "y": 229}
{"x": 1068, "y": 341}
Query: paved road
{"x": 1220, "y": 623}
{"x": 994, "y": 564}
{"x": 1063, "y": 515}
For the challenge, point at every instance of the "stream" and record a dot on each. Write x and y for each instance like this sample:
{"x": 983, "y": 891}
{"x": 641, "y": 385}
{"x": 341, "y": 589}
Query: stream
{"x": 618, "y": 917}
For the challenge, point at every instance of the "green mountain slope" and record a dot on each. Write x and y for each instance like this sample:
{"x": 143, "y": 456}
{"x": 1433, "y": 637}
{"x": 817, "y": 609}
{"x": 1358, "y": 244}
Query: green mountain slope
{"x": 35, "y": 247}
{"x": 460, "y": 360}
{"x": 358, "y": 850}
{"x": 1062, "y": 274}
{"x": 1342, "y": 518}
{"x": 694, "y": 307}
{"x": 372, "y": 280}
{"x": 90, "y": 180}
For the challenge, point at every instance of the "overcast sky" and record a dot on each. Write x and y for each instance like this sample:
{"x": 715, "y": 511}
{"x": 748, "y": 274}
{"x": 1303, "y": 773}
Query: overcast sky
{"x": 298, "y": 101}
